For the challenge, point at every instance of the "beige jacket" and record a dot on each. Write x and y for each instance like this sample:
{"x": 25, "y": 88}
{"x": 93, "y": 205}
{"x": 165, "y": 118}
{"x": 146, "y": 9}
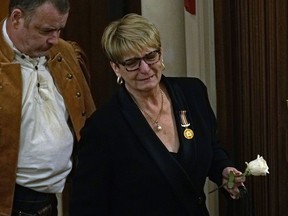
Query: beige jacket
{"x": 67, "y": 66}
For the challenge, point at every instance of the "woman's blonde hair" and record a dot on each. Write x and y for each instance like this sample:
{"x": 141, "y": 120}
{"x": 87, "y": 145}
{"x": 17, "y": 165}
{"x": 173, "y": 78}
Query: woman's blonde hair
{"x": 131, "y": 34}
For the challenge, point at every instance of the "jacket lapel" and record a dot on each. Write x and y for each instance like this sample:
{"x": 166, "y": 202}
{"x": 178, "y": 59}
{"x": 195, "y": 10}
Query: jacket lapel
{"x": 188, "y": 146}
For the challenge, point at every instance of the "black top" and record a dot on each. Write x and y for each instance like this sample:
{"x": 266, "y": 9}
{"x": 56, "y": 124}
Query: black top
{"x": 124, "y": 168}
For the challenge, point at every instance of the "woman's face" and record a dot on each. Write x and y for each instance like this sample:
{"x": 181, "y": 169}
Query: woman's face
{"x": 141, "y": 73}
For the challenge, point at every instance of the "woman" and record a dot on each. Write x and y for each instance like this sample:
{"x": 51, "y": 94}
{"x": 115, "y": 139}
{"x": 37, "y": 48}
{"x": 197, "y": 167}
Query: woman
{"x": 150, "y": 149}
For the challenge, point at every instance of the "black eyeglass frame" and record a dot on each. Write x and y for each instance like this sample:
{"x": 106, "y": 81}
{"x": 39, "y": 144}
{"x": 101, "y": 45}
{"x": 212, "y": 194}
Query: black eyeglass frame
{"x": 140, "y": 60}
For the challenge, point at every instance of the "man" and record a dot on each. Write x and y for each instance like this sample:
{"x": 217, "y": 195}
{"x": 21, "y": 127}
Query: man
{"x": 44, "y": 102}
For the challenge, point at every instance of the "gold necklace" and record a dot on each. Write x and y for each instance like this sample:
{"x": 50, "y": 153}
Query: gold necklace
{"x": 156, "y": 121}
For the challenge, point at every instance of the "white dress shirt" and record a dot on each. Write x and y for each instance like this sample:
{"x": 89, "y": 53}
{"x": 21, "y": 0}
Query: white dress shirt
{"x": 46, "y": 141}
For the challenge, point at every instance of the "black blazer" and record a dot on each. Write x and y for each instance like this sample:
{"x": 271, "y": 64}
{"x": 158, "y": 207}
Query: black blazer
{"x": 125, "y": 170}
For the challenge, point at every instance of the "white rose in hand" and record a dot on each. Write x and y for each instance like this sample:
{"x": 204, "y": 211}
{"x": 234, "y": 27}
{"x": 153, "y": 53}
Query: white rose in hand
{"x": 257, "y": 167}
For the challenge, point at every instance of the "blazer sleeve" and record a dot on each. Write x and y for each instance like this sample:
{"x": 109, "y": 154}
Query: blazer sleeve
{"x": 92, "y": 183}
{"x": 221, "y": 158}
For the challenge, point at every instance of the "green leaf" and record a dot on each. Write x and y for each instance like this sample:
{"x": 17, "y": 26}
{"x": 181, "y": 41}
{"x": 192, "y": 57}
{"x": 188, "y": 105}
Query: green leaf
{"x": 231, "y": 178}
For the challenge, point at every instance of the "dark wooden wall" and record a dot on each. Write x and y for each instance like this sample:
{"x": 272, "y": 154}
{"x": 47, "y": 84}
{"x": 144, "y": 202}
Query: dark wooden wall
{"x": 251, "y": 39}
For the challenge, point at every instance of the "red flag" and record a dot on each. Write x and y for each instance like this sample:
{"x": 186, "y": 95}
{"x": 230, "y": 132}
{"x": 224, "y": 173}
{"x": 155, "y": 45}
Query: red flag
{"x": 190, "y": 6}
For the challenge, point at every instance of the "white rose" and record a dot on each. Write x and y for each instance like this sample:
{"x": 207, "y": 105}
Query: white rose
{"x": 257, "y": 167}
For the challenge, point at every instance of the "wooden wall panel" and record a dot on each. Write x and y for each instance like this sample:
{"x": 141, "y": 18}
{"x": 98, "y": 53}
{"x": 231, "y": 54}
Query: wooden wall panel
{"x": 252, "y": 79}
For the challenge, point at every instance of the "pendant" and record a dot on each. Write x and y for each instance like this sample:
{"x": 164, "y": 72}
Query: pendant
{"x": 159, "y": 127}
{"x": 188, "y": 133}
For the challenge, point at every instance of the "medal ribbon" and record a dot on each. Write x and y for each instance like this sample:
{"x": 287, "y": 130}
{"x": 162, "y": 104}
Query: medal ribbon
{"x": 184, "y": 122}
{"x": 188, "y": 133}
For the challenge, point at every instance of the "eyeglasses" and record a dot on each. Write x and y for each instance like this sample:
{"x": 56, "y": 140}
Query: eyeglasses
{"x": 133, "y": 64}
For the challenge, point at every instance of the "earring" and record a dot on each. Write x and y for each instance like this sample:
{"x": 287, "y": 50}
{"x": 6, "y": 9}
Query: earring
{"x": 119, "y": 80}
{"x": 163, "y": 65}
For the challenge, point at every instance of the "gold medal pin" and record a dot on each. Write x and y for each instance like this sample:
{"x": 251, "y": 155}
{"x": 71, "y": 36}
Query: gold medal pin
{"x": 188, "y": 133}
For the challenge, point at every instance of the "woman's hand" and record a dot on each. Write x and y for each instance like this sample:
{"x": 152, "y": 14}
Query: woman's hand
{"x": 238, "y": 181}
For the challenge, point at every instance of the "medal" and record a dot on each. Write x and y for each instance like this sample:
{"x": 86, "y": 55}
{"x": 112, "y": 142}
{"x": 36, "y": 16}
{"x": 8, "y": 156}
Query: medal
{"x": 188, "y": 133}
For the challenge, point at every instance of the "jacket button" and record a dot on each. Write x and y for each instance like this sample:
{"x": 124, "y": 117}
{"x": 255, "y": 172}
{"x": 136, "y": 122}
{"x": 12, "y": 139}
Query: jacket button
{"x": 59, "y": 58}
{"x": 69, "y": 76}
{"x": 78, "y": 94}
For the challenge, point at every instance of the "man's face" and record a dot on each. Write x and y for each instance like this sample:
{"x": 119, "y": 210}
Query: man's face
{"x": 36, "y": 37}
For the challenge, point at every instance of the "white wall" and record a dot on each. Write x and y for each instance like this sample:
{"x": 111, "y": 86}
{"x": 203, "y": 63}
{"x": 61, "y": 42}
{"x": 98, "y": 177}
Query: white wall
{"x": 169, "y": 18}
{"x": 187, "y": 40}
{"x": 188, "y": 43}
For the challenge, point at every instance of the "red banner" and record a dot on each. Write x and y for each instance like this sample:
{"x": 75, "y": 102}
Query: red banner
{"x": 190, "y": 6}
